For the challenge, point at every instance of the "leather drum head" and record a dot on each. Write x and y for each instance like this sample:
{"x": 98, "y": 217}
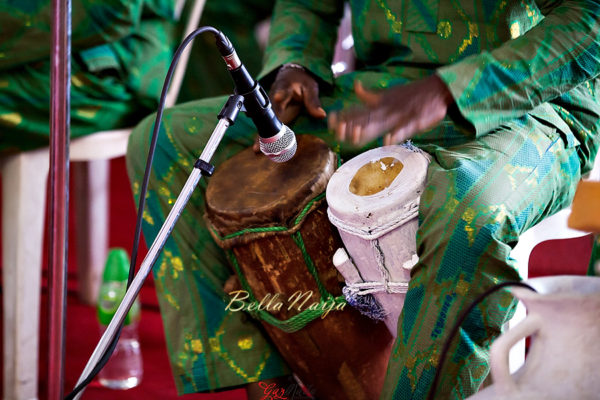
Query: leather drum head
{"x": 377, "y": 191}
{"x": 249, "y": 190}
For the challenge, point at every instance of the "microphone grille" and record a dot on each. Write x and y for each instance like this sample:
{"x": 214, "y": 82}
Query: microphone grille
{"x": 281, "y": 147}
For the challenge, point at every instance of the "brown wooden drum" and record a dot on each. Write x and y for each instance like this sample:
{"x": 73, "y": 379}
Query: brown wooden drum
{"x": 272, "y": 219}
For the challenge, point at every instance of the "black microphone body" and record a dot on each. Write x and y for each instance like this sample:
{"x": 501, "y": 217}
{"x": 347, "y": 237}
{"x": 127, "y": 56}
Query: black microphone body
{"x": 257, "y": 103}
{"x": 277, "y": 141}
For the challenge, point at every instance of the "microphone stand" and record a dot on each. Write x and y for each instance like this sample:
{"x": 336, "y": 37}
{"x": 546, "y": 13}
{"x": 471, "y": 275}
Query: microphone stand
{"x": 202, "y": 166}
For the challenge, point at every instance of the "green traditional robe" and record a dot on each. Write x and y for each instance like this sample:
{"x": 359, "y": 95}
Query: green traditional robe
{"x": 121, "y": 50}
{"x": 500, "y": 59}
{"x": 524, "y": 128}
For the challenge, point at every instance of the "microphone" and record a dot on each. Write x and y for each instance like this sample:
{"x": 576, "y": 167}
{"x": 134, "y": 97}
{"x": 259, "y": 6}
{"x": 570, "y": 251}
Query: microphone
{"x": 276, "y": 140}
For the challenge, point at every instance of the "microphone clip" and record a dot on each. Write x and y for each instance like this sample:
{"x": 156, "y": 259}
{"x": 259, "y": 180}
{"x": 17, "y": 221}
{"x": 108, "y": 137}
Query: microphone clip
{"x": 231, "y": 109}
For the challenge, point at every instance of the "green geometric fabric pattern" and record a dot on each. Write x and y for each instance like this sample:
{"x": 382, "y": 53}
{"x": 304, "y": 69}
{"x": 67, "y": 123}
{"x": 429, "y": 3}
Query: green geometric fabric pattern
{"x": 510, "y": 153}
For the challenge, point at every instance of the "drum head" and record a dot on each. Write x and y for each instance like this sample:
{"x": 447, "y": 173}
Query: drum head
{"x": 249, "y": 190}
{"x": 377, "y": 191}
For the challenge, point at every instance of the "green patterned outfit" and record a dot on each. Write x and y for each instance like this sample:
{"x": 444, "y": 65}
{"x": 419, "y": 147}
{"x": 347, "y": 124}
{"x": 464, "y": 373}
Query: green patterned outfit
{"x": 524, "y": 129}
{"x": 121, "y": 50}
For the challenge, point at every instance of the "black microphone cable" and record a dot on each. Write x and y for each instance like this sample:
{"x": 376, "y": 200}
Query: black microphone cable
{"x": 220, "y": 38}
{"x": 457, "y": 325}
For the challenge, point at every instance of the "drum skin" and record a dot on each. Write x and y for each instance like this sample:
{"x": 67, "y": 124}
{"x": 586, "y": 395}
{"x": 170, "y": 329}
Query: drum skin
{"x": 343, "y": 355}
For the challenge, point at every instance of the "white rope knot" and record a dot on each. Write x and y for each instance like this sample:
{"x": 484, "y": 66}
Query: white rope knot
{"x": 364, "y": 288}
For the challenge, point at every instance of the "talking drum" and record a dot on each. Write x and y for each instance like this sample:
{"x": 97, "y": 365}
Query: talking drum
{"x": 272, "y": 220}
{"x": 373, "y": 201}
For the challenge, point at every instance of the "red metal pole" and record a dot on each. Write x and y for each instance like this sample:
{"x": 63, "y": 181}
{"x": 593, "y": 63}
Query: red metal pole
{"x": 60, "y": 77}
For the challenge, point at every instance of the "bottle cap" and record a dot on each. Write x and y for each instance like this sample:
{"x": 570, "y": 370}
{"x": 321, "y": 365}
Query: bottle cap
{"x": 117, "y": 266}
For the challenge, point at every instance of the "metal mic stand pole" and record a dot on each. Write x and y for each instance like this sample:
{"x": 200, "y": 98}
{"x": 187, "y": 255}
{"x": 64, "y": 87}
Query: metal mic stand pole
{"x": 201, "y": 167}
{"x": 60, "y": 122}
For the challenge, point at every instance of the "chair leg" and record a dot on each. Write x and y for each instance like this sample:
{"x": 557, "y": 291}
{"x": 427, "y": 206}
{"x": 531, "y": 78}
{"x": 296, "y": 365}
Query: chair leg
{"x": 516, "y": 355}
{"x": 91, "y": 205}
{"x": 521, "y": 254}
{"x": 23, "y": 210}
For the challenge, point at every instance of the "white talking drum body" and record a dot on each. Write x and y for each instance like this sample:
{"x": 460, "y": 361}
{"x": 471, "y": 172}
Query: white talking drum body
{"x": 373, "y": 201}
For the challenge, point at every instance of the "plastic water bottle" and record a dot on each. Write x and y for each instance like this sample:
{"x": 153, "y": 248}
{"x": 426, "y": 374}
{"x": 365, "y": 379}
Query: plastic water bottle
{"x": 124, "y": 370}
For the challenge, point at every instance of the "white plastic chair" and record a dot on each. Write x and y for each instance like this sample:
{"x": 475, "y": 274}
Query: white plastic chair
{"x": 551, "y": 228}
{"x": 24, "y": 177}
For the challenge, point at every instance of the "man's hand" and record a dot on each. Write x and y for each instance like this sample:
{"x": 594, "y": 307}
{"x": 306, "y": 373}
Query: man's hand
{"x": 293, "y": 90}
{"x": 399, "y": 112}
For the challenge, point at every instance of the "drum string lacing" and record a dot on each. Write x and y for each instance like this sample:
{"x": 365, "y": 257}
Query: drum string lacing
{"x": 360, "y": 294}
{"x": 386, "y": 285}
{"x": 300, "y": 320}
{"x": 411, "y": 209}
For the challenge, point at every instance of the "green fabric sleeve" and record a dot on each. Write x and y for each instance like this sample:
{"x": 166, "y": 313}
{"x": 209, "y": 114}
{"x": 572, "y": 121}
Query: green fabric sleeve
{"x": 303, "y": 32}
{"x": 561, "y": 52}
{"x": 164, "y": 9}
{"x": 26, "y": 28}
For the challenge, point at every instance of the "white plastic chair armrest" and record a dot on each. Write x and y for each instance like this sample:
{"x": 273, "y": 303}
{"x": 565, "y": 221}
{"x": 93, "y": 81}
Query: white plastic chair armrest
{"x": 100, "y": 146}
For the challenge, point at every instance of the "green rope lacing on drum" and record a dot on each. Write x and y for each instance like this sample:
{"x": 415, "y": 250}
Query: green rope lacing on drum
{"x": 310, "y": 265}
{"x": 292, "y": 324}
{"x": 265, "y": 229}
{"x": 301, "y": 319}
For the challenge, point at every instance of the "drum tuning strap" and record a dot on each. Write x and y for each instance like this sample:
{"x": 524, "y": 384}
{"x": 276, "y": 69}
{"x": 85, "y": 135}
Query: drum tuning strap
{"x": 360, "y": 294}
{"x": 380, "y": 257}
{"x": 411, "y": 209}
{"x": 300, "y": 320}
{"x": 386, "y": 285}
{"x": 246, "y": 235}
